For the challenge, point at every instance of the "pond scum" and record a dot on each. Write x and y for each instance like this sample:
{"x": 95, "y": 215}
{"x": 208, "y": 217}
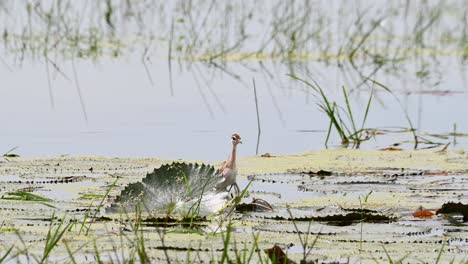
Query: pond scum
{"x": 361, "y": 212}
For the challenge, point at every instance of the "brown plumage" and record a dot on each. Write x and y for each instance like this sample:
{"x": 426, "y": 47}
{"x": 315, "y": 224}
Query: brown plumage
{"x": 229, "y": 168}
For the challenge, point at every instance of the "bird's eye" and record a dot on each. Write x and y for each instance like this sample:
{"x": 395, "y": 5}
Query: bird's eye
{"x": 233, "y": 138}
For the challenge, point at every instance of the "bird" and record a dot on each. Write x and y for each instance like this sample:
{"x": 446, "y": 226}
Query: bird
{"x": 229, "y": 168}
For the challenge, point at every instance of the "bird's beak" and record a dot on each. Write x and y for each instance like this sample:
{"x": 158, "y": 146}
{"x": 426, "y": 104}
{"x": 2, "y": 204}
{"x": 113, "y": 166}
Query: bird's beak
{"x": 240, "y": 141}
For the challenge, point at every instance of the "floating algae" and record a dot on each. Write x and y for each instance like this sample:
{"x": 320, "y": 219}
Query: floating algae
{"x": 395, "y": 195}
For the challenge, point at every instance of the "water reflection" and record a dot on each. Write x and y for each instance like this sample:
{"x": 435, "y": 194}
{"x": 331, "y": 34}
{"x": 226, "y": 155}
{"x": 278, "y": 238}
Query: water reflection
{"x": 173, "y": 79}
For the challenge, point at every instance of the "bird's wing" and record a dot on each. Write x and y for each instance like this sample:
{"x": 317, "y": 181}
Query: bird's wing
{"x": 222, "y": 167}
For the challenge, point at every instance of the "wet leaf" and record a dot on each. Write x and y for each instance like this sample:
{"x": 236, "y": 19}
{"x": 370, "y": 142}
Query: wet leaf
{"x": 391, "y": 149}
{"x": 277, "y": 255}
{"x": 449, "y": 208}
{"x": 11, "y": 155}
{"x": 257, "y": 205}
{"x": 171, "y": 186}
{"x": 318, "y": 173}
{"x": 343, "y": 219}
{"x": 422, "y": 213}
{"x": 27, "y": 196}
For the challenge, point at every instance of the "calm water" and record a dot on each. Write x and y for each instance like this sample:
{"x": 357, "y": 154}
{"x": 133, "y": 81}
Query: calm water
{"x": 128, "y": 108}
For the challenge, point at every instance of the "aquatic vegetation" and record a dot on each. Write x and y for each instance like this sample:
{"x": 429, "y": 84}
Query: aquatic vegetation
{"x": 450, "y": 207}
{"x": 422, "y": 213}
{"x": 347, "y": 130}
{"x": 174, "y": 187}
{"x": 338, "y": 205}
{"x": 277, "y": 255}
{"x": 91, "y": 196}
{"x": 341, "y": 220}
{"x": 409, "y": 44}
{"x": 83, "y": 225}
{"x": 10, "y": 154}
{"x": 54, "y": 236}
{"x": 27, "y": 196}
{"x": 257, "y": 205}
{"x": 386, "y": 216}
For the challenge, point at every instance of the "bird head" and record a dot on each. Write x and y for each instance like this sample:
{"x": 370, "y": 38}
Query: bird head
{"x": 236, "y": 139}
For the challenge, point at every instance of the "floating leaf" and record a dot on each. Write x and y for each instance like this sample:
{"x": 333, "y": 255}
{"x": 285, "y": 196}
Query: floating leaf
{"x": 27, "y": 196}
{"x": 277, "y": 255}
{"x": 257, "y": 205}
{"x": 391, "y": 149}
{"x": 318, "y": 173}
{"x": 11, "y": 155}
{"x": 423, "y": 213}
{"x": 341, "y": 219}
{"x": 174, "y": 186}
{"x": 449, "y": 208}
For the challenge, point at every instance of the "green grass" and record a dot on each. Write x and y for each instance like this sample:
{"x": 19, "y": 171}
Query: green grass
{"x": 412, "y": 129}
{"x": 362, "y": 201}
{"x": 54, "y": 236}
{"x": 27, "y": 196}
{"x": 6, "y": 254}
{"x": 83, "y": 225}
{"x": 346, "y": 128}
{"x": 307, "y": 246}
{"x": 10, "y": 154}
{"x": 91, "y": 196}
{"x": 136, "y": 250}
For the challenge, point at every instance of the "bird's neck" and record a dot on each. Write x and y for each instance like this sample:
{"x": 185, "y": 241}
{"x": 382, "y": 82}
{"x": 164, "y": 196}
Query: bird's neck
{"x": 231, "y": 162}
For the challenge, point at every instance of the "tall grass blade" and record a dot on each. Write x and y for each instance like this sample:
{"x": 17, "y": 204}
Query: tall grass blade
{"x": 53, "y": 237}
{"x": 441, "y": 250}
{"x": 70, "y": 253}
{"x": 367, "y": 109}
{"x": 3, "y": 258}
{"x": 226, "y": 240}
{"x": 413, "y": 130}
{"x": 390, "y": 261}
{"x": 348, "y": 107}
{"x": 100, "y": 204}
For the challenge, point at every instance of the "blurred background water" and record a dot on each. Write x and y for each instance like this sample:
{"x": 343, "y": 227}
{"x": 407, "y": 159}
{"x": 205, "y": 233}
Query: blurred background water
{"x": 152, "y": 78}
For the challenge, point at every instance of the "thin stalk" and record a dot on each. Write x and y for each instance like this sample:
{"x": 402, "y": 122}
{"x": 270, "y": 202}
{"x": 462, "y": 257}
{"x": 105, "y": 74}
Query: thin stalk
{"x": 100, "y": 205}
{"x": 259, "y": 130}
{"x": 3, "y": 258}
{"x": 413, "y": 130}
{"x": 348, "y": 107}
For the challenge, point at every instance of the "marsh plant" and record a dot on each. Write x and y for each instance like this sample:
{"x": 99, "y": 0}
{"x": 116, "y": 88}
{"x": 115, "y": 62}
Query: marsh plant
{"x": 341, "y": 117}
{"x": 131, "y": 246}
{"x": 362, "y": 40}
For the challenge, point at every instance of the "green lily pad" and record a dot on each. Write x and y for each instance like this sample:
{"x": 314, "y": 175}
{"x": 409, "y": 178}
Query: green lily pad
{"x": 172, "y": 187}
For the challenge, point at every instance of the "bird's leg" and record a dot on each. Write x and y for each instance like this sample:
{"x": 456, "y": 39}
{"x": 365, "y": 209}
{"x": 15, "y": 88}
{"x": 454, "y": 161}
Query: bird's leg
{"x": 230, "y": 187}
{"x": 236, "y": 189}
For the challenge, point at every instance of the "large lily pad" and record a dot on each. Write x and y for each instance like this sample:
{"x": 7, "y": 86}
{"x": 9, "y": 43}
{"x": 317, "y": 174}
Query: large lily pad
{"x": 172, "y": 187}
